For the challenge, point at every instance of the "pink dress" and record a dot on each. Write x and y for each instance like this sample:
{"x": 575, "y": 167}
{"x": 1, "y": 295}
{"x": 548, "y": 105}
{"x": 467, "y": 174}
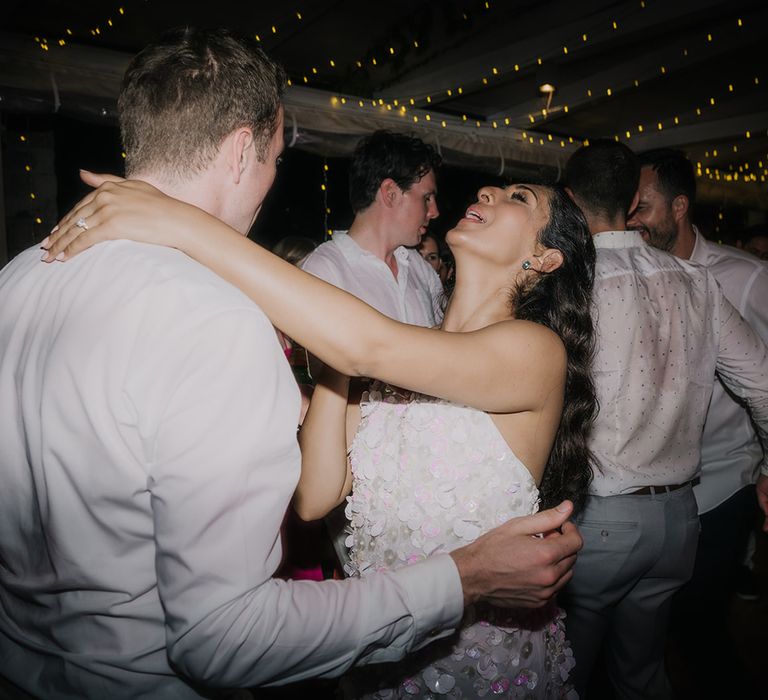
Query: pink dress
{"x": 428, "y": 477}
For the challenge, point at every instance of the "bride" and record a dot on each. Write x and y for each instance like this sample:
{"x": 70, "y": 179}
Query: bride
{"x": 478, "y": 422}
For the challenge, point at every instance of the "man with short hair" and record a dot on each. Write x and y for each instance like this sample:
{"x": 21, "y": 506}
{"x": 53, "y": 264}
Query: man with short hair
{"x": 732, "y": 456}
{"x": 663, "y": 330}
{"x": 392, "y": 191}
{"x": 148, "y": 443}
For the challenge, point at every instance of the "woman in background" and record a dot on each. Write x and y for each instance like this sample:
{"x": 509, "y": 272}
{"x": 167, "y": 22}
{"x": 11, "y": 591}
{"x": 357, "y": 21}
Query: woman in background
{"x": 441, "y": 261}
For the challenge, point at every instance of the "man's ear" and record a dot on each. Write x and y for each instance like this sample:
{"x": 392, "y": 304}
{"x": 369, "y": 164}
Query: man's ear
{"x": 549, "y": 260}
{"x": 389, "y": 191}
{"x": 242, "y": 154}
{"x": 680, "y": 206}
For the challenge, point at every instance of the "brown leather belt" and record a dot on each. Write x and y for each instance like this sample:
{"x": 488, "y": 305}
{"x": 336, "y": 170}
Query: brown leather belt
{"x": 653, "y": 490}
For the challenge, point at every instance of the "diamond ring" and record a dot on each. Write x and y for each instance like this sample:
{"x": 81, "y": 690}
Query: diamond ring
{"x": 80, "y": 223}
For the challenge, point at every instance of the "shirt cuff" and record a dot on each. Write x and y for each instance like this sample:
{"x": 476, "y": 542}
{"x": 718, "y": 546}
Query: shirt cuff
{"x": 436, "y": 597}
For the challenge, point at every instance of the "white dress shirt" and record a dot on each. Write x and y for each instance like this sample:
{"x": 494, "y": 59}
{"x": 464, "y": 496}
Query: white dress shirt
{"x": 731, "y": 454}
{"x": 414, "y": 297}
{"x": 147, "y": 457}
{"x": 663, "y": 330}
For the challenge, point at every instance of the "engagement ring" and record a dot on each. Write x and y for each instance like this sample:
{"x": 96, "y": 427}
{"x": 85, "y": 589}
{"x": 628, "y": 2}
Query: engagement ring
{"x": 80, "y": 223}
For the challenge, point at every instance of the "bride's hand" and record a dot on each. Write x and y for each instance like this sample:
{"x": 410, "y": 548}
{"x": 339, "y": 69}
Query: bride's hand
{"x": 118, "y": 208}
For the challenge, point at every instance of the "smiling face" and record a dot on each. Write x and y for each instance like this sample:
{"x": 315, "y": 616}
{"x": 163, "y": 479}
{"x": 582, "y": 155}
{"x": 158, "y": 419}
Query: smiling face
{"x": 653, "y": 216}
{"x": 415, "y": 208}
{"x": 503, "y": 225}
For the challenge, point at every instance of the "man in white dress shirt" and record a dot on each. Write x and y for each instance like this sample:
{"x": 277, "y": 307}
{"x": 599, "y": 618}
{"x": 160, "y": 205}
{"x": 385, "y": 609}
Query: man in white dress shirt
{"x": 148, "y": 451}
{"x": 664, "y": 329}
{"x": 392, "y": 191}
{"x": 731, "y": 453}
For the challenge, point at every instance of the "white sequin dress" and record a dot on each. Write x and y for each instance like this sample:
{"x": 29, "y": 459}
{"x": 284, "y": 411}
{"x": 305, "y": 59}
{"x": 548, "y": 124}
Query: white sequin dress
{"x": 429, "y": 477}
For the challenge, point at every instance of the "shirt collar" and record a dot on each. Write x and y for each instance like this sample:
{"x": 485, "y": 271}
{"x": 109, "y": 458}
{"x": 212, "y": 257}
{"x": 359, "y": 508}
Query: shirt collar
{"x": 699, "y": 252}
{"x": 618, "y": 239}
{"x": 353, "y": 251}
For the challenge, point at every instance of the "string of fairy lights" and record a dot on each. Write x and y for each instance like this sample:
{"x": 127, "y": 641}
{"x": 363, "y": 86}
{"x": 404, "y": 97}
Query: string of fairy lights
{"x": 327, "y": 231}
{"x": 27, "y": 170}
{"x": 401, "y": 105}
{"x": 743, "y": 172}
{"x": 94, "y": 30}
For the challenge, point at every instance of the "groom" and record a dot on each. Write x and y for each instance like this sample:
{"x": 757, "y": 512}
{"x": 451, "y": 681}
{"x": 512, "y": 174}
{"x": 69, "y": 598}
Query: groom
{"x": 148, "y": 443}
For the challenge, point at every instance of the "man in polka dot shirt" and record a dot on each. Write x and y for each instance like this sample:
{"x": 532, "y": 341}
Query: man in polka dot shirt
{"x": 731, "y": 453}
{"x": 664, "y": 329}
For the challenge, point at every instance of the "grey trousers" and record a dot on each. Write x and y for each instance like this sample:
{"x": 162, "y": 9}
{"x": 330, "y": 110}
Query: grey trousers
{"x": 638, "y": 550}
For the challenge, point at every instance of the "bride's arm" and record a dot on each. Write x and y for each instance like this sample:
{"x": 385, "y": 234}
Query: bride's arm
{"x": 325, "y": 475}
{"x": 479, "y": 368}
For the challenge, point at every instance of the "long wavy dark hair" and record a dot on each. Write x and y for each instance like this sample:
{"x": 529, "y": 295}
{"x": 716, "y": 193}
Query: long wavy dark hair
{"x": 562, "y": 301}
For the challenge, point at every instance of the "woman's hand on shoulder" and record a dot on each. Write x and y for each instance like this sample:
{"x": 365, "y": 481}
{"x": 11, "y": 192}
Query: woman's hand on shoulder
{"x": 116, "y": 209}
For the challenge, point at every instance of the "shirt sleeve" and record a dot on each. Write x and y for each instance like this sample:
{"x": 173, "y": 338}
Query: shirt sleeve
{"x": 742, "y": 365}
{"x": 223, "y": 466}
{"x": 754, "y": 306}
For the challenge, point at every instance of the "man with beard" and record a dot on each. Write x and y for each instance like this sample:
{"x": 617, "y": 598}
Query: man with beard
{"x": 731, "y": 454}
{"x": 663, "y": 330}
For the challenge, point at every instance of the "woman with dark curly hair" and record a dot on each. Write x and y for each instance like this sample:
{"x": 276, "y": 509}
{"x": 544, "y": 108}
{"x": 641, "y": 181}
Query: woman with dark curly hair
{"x": 473, "y": 424}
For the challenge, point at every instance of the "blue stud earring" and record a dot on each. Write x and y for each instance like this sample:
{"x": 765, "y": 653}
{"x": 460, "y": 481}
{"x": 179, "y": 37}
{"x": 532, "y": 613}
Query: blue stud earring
{"x": 526, "y": 265}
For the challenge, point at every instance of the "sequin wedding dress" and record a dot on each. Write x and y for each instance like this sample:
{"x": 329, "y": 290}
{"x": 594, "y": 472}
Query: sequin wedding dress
{"x": 429, "y": 477}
